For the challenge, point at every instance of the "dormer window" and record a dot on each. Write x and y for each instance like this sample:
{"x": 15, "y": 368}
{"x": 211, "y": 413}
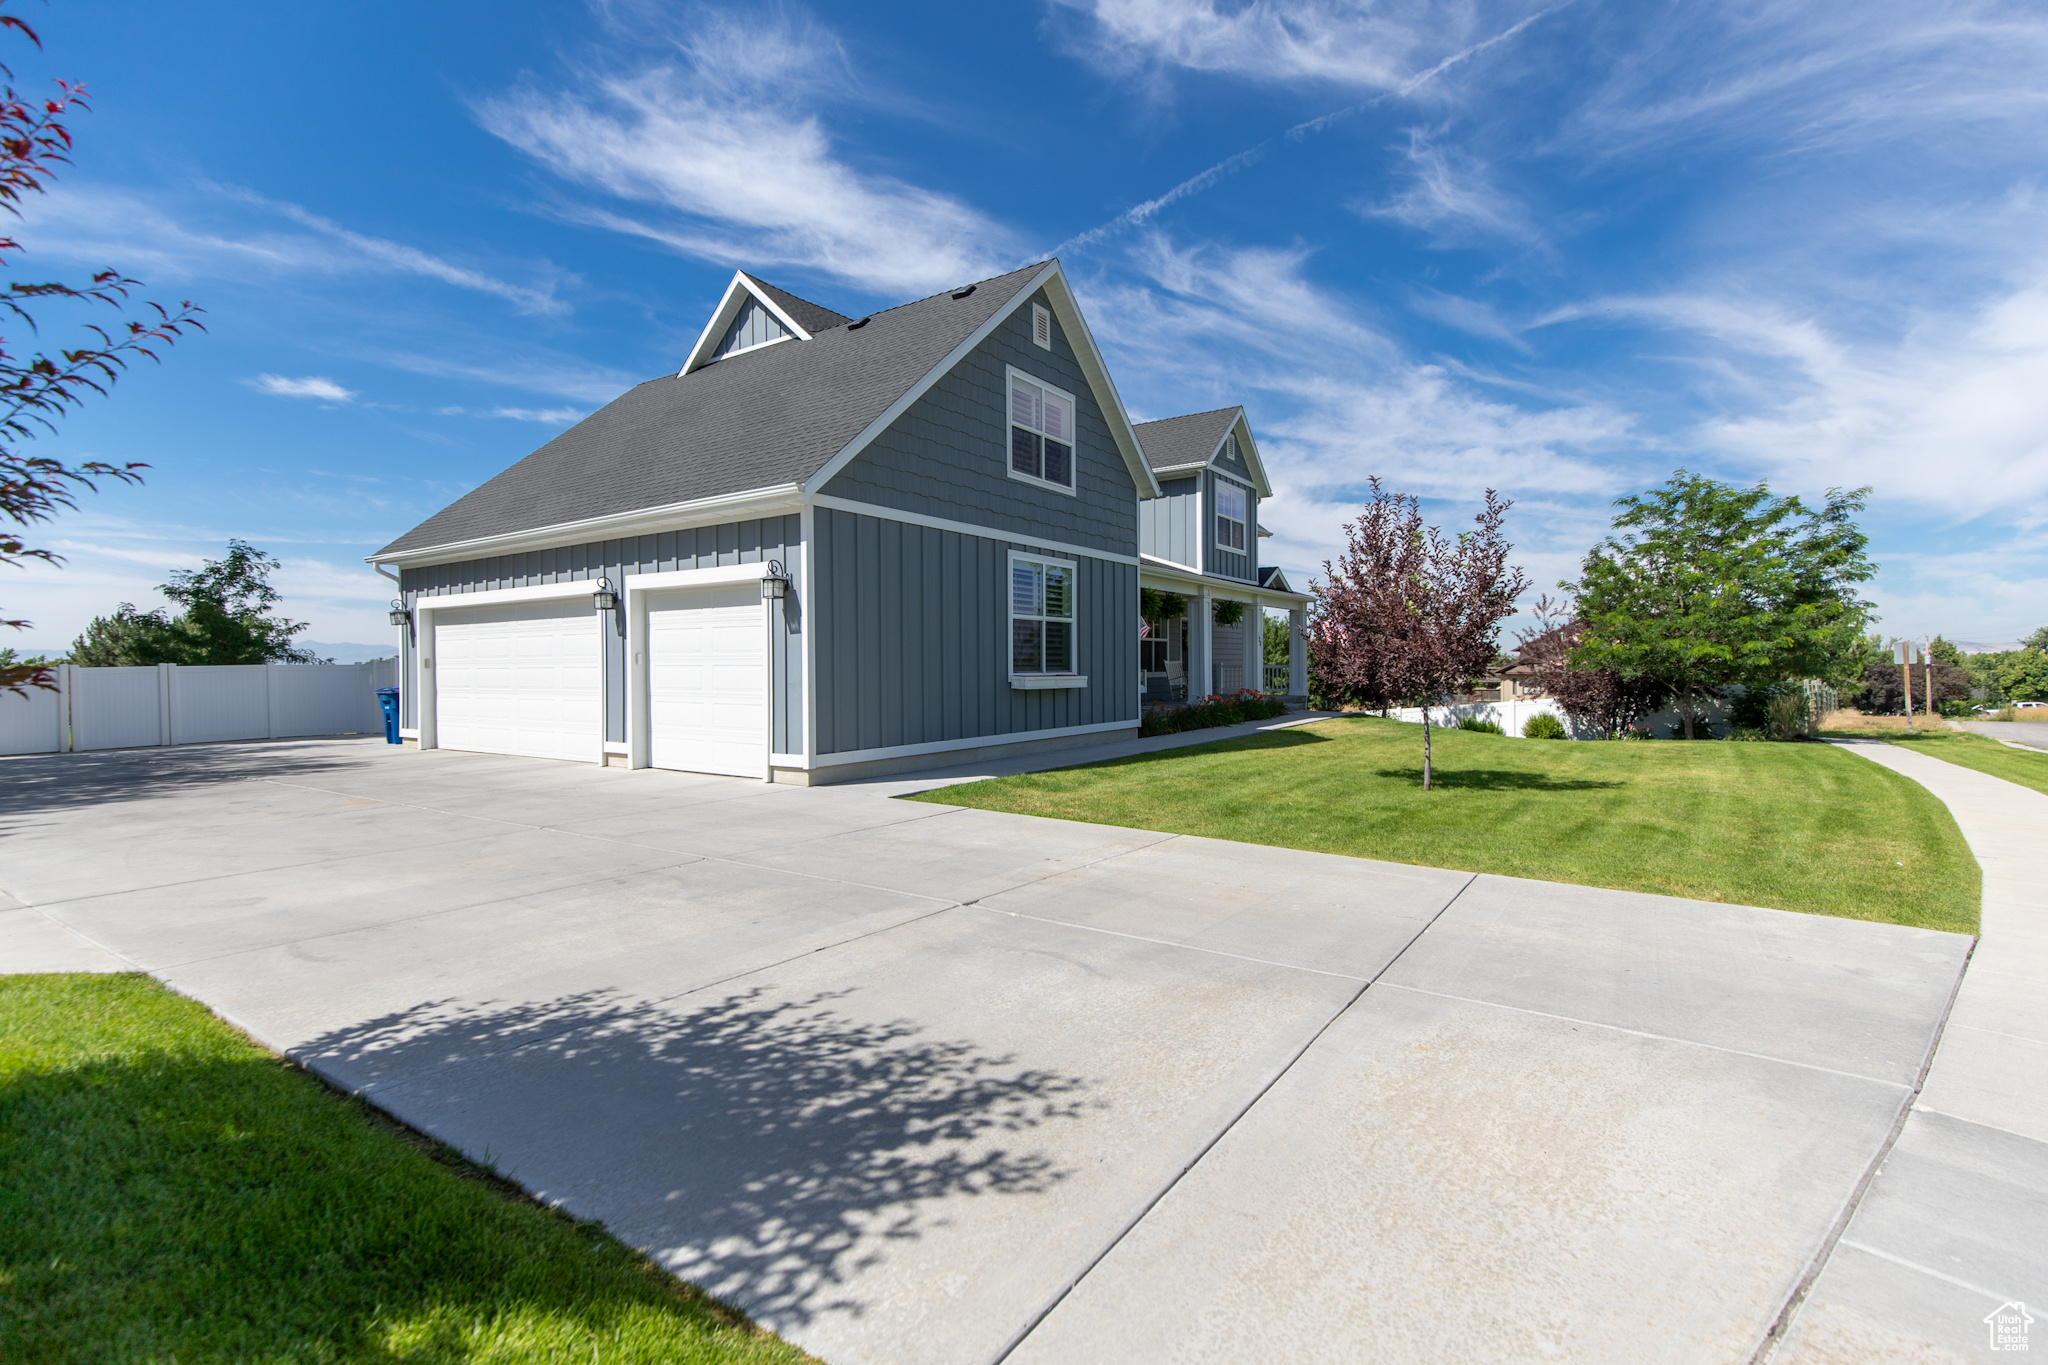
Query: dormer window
{"x": 1230, "y": 516}
{"x": 1041, "y": 433}
{"x": 755, "y": 326}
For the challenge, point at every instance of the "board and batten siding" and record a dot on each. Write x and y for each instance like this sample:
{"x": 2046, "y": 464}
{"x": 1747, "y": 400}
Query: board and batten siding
{"x": 948, "y": 455}
{"x": 1217, "y": 560}
{"x": 913, "y": 639}
{"x": 701, "y": 547}
{"x": 1168, "y": 525}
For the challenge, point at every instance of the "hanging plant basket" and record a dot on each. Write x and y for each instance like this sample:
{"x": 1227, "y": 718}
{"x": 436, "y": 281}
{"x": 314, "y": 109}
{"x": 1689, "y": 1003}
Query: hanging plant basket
{"x": 1229, "y": 613}
{"x": 1155, "y": 605}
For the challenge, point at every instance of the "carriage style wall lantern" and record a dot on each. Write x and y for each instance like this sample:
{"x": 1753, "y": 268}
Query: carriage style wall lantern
{"x": 606, "y": 598}
{"x": 399, "y": 615}
{"x": 774, "y": 585}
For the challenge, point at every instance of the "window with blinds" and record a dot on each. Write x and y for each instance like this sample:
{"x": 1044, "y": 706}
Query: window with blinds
{"x": 1230, "y": 516}
{"x": 1041, "y": 433}
{"x": 1041, "y": 616}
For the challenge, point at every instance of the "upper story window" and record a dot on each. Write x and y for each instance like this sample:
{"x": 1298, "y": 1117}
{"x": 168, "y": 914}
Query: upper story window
{"x": 1041, "y": 616}
{"x": 754, "y": 326}
{"x": 1041, "y": 433}
{"x": 1230, "y": 516}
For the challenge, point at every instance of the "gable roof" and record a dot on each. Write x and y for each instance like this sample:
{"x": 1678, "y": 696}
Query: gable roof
{"x": 812, "y": 317}
{"x": 1185, "y": 442}
{"x": 780, "y": 417}
{"x": 1182, "y": 445}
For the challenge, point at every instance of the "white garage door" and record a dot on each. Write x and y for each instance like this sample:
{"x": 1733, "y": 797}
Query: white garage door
{"x": 707, "y": 681}
{"x": 526, "y": 679}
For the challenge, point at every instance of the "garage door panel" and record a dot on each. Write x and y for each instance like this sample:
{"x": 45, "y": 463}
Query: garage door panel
{"x": 526, "y": 679}
{"x": 707, "y": 681}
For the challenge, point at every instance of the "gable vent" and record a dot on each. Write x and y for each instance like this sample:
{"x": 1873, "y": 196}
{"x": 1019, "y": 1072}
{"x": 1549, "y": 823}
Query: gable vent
{"x": 1041, "y": 325}
{"x": 755, "y": 326}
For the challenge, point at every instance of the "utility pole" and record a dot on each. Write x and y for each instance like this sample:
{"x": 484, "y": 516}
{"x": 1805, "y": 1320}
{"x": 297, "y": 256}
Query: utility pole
{"x": 1905, "y": 656}
{"x": 1927, "y": 677}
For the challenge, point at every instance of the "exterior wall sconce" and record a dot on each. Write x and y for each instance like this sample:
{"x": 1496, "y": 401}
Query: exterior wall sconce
{"x": 399, "y": 615}
{"x": 606, "y": 598}
{"x": 774, "y": 586}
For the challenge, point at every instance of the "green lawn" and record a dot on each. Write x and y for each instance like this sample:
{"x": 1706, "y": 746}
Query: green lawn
{"x": 1795, "y": 826}
{"x": 169, "y": 1192}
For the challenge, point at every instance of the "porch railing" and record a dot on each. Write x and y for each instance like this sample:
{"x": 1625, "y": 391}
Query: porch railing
{"x": 1229, "y": 679}
{"x": 1277, "y": 679}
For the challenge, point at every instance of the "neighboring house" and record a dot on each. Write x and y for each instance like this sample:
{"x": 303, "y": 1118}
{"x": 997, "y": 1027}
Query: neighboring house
{"x": 829, "y": 546}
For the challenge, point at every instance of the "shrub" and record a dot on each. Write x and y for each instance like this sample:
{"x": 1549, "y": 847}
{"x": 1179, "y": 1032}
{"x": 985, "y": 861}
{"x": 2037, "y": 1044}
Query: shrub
{"x": 1478, "y": 726}
{"x": 1786, "y": 716}
{"x": 1543, "y": 725}
{"x": 1746, "y": 732}
{"x": 1210, "y": 712}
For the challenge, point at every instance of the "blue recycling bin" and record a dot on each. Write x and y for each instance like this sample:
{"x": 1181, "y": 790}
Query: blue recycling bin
{"x": 387, "y": 697}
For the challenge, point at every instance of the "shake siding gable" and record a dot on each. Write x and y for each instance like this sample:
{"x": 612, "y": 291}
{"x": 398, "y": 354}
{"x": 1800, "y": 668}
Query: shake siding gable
{"x": 949, "y": 455}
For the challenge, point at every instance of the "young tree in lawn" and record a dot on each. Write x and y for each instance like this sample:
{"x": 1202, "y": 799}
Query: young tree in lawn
{"x": 1406, "y": 614}
{"x": 1702, "y": 585}
{"x": 37, "y": 388}
{"x": 226, "y": 620}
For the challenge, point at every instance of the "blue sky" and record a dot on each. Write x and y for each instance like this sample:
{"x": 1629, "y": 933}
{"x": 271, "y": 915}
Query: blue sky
{"x": 1556, "y": 249}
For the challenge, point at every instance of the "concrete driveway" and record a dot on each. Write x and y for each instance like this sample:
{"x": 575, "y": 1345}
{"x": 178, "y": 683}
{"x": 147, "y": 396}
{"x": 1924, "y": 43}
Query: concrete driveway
{"x": 914, "y": 1083}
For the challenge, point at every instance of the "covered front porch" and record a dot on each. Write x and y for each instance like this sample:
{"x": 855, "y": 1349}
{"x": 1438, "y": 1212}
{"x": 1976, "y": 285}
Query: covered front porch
{"x": 1185, "y": 653}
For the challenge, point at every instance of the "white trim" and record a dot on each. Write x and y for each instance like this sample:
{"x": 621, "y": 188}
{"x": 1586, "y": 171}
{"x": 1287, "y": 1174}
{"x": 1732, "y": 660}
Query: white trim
{"x": 967, "y": 528}
{"x": 1053, "y": 280}
{"x": 612, "y": 747}
{"x": 748, "y": 505}
{"x": 1043, "y": 682}
{"x": 807, "y": 531}
{"x": 1011, "y": 374}
{"x": 729, "y": 308}
{"x": 1179, "y": 576}
{"x": 695, "y": 578}
{"x": 1248, "y": 452}
{"x": 1072, "y": 618}
{"x": 498, "y": 597}
{"x": 1216, "y": 517}
{"x": 976, "y": 742}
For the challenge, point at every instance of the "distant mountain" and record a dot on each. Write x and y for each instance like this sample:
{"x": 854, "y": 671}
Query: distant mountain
{"x": 1978, "y": 647}
{"x": 346, "y": 653}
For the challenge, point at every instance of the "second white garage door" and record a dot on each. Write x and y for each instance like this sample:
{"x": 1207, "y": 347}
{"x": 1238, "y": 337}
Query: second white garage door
{"x": 524, "y": 679}
{"x": 707, "y": 680}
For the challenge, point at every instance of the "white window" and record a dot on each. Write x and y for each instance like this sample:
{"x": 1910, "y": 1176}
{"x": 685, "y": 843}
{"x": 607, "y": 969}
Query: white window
{"x": 1041, "y": 616}
{"x": 1230, "y": 516}
{"x": 1041, "y": 325}
{"x": 1041, "y": 433}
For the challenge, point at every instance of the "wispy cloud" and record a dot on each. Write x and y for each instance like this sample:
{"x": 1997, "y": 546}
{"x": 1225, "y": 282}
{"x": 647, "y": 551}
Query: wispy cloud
{"x": 312, "y": 386}
{"x": 162, "y": 237}
{"x": 727, "y": 146}
{"x": 1450, "y": 195}
{"x": 556, "y": 417}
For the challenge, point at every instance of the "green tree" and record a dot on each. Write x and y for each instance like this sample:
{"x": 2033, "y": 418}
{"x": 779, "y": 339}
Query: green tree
{"x": 1945, "y": 653}
{"x": 1275, "y": 637}
{"x": 2038, "y": 641}
{"x": 226, "y": 620}
{"x": 1701, "y": 585}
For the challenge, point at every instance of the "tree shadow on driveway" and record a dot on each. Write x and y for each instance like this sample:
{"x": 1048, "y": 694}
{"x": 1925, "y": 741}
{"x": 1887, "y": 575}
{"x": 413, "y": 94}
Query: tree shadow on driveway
{"x": 768, "y": 1149}
{"x": 40, "y": 784}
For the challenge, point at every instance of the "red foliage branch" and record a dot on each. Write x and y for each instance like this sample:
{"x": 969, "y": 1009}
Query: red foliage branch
{"x": 1407, "y": 615}
{"x": 38, "y": 388}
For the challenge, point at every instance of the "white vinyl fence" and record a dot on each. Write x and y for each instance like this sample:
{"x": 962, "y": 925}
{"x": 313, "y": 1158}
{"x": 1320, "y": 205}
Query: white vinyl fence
{"x": 121, "y": 708}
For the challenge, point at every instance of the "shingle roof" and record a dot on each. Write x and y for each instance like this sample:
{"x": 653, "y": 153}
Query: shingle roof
{"x": 1173, "y": 442}
{"x": 764, "y": 418}
{"x": 812, "y": 317}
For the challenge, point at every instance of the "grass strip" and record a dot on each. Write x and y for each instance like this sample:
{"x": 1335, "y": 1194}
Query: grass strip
{"x": 2023, "y": 767}
{"x": 1792, "y": 826}
{"x": 169, "y": 1191}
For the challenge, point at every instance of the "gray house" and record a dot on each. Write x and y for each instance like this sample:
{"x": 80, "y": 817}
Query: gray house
{"x": 832, "y": 546}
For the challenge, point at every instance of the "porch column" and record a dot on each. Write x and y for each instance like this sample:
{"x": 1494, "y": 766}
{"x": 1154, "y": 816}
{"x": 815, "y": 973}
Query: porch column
{"x": 1201, "y": 618}
{"x": 1297, "y": 652}
{"x": 1255, "y": 644}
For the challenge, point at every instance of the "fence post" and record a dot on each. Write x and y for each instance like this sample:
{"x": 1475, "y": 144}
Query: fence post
{"x": 269, "y": 699}
{"x": 163, "y": 703}
{"x": 64, "y": 708}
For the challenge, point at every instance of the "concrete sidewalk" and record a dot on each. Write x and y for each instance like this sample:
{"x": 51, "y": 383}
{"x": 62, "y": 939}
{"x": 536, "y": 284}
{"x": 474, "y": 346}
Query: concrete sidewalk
{"x": 918, "y": 1083}
{"x": 1956, "y": 1224}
